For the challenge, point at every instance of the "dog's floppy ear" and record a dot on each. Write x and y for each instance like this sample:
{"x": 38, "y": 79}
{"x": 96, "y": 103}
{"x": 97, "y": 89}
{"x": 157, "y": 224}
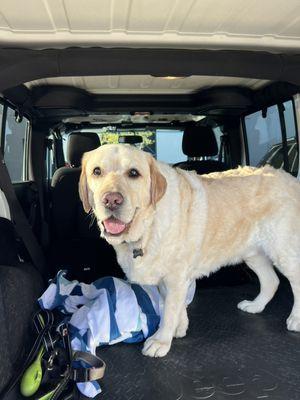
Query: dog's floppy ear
{"x": 83, "y": 188}
{"x": 158, "y": 183}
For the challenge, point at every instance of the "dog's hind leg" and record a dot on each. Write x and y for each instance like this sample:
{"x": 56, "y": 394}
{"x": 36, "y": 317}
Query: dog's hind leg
{"x": 268, "y": 280}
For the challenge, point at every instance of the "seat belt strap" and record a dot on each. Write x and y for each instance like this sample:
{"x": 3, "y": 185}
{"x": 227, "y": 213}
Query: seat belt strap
{"x": 20, "y": 220}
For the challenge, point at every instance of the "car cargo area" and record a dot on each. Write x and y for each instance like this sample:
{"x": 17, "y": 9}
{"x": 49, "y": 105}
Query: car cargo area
{"x": 208, "y": 99}
{"x": 226, "y": 354}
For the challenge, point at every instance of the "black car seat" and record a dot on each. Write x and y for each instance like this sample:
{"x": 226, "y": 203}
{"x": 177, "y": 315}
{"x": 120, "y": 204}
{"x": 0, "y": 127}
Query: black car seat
{"x": 20, "y": 286}
{"x": 200, "y": 142}
{"x": 76, "y": 243}
{"x": 67, "y": 215}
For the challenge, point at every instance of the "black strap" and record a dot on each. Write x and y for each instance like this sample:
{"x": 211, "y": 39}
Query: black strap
{"x": 20, "y": 220}
{"x": 286, "y": 163}
{"x": 42, "y": 198}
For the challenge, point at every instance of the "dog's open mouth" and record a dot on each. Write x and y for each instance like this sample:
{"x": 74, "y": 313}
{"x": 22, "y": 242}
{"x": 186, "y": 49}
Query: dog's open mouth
{"x": 114, "y": 226}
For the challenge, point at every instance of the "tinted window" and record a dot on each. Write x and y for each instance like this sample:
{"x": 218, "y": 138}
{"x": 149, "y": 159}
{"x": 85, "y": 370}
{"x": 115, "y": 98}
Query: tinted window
{"x": 50, "y": 157}
{"x": 265, "y": 139}
{"x": 164, "y": 144}
{"x": 15, "y": 146}
{"x": 262, "y": 134}
{"x": 1, "y": 113}
{"x": 291, "y": 134}
{"x": 169, "y": 146}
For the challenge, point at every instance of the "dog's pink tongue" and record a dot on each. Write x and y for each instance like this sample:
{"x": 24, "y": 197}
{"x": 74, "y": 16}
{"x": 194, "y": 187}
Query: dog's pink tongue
{"x": 114, "y": 226}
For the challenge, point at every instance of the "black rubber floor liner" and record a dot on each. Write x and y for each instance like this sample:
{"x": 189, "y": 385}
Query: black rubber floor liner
{"x": 227, "y": 354}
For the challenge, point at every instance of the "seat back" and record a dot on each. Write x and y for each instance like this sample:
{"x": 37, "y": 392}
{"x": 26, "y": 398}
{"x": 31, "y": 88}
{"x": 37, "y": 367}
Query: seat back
{"x": 76, "y": 243}
{"x": 200, "y": 141}
{"x": 68, "y": 218}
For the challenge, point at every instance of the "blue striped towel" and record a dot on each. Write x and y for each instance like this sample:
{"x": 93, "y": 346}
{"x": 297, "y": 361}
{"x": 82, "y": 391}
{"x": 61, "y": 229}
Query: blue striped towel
{"x": 107, "y": 311}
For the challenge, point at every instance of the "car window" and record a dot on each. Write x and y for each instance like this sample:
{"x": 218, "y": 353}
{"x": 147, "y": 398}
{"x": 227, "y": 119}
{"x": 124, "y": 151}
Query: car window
{"x": 50, "y": 160}
{"x": 163, "y": 144}
{"x": 169, "y": 146}
{"x": 266, "y": 144}
{"x": 1, "y": 113}
{"x": 15, "y": 143}
{"x": 291, "y": 134}
{"x": 262, "y": 133}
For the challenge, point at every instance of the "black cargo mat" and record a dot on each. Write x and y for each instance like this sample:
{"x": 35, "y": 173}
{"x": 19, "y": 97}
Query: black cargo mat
{"x": 227, "y": 354}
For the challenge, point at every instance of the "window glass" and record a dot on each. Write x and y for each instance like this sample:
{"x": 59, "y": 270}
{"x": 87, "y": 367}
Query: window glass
{"x": 263, "y": 136}
{"x": 50, "y": 161}
{"x": 265, "y": 142}
{"x": 146, "y": 140}
{"x": 169, "y": 146}
{"x": 15, "y": 146}
{"x": 291, "y": 134}
{"x": 163, "y": 144}
{"x": 1, "y": 113}
{"x": 218, "y": 135}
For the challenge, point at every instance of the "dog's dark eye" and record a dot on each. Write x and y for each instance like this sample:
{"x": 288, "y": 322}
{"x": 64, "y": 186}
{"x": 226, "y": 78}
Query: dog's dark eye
{"x": 133, "y": 173}
{"x": 97, "y": 171}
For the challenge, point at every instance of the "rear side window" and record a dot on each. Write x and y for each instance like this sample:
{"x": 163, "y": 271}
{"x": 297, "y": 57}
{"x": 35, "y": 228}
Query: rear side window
{"x": 292, "y": 139}
{"x": 266, "y": 140}
{"x": 1, "y": 113}
{"x": 15, "y": 146}
{"x": 262, "y": 134}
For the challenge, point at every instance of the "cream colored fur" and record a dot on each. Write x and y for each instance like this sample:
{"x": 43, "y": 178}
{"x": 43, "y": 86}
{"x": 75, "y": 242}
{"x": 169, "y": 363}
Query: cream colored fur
{"x": 197, "y": 225}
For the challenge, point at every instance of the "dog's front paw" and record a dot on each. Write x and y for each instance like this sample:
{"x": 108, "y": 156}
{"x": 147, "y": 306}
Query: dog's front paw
{"x": 293, "y": 323}
{"x": 156, "y": 348}
{"x": 252, "y": 307}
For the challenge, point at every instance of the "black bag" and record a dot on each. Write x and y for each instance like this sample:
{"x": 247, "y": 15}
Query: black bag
{"x": 51, "y": 368}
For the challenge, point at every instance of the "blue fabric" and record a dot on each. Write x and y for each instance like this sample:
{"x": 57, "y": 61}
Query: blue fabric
{"x": 107, "y": 311}
{"x": 147, "y": 308}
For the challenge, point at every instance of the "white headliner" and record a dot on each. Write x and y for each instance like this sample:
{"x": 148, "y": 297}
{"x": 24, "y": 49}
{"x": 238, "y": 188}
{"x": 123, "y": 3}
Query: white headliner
{"x": 254, "y": 24}
{"x": 146, "y": 84}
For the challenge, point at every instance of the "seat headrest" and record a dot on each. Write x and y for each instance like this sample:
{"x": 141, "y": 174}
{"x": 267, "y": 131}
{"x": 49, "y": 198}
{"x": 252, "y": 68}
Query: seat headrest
{"x": 78, "y": 144}
{"x": 199, "y": 141}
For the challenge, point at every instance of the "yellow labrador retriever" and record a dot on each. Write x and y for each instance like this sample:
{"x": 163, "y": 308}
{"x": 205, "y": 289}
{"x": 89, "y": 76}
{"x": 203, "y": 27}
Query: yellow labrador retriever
{"x": 170, "y": 226}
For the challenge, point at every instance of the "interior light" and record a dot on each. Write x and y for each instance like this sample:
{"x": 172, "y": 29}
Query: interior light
{"x": 171, "y": 78}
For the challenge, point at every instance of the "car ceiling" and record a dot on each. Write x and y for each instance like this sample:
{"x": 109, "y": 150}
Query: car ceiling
{"x": 147, "y": 84}
{"x": 271, "y": 25}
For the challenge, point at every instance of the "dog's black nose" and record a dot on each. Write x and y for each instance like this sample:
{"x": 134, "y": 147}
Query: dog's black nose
{"x": 112, "y": 200}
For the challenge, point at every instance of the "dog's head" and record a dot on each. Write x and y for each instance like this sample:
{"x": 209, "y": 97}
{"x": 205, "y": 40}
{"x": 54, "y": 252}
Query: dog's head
{"x": 121, "y": 185}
